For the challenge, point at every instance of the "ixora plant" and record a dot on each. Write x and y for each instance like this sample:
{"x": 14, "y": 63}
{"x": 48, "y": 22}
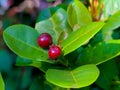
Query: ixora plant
{"x": 73, "y": 50}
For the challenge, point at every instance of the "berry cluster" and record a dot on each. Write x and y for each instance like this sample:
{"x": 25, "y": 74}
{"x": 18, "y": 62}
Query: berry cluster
{"x": 45, "y": 41}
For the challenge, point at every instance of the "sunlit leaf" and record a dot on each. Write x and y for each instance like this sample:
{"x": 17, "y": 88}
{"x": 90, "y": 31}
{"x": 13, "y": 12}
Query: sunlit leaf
{"x": 110, "y": 7}
{"x": 100, "y": 53}
{"x": 79, "y": 37}
{"x": 22, "y": 40}
{"x": 2, "y": 86}
{"x": 78, "y": 15}
{"x": 55, "y": 26}
{"x": 112, "y": 24}
{"x": 77, "y": 78}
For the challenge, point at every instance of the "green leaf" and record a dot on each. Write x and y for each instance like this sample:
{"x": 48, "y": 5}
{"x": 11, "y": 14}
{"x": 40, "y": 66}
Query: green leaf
{"x": 79, "y": 37}
{"x": 55, "y": 26}
{"x": 110, "y": 7}
{"x": 54, "y": 87}
{"x": 2, "y": 86}
{"x": 108, "y": 72}
{"x": 20, "y": 61}
{"x": 46, "y": 13}
{"x": 97, "y": 38}
{"x": 43, "y": 66}
{"x": 41, "y": 84}
{"x": 77, "y": 78}
{"x": 100, "y": 53}
{"x": 78, "y": 15}
{"x": 22, "y": 40}
{"x": 84, "y": 88}
{"x": 112, "y": 23}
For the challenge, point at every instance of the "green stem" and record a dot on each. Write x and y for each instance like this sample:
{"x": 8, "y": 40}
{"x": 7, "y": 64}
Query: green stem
{"x": 116, "y": 82}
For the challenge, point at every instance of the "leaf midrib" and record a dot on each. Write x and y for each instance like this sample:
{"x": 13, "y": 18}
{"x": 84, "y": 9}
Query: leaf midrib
{"x": 23, "y": 42}
{"x": 74, "y": 79}
{"x": 54, "y": 26}
{"x": 79, "y": 37}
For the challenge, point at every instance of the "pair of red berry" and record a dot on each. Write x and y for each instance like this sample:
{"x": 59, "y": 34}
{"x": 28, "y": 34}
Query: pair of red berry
{"x": 45, "y": 41}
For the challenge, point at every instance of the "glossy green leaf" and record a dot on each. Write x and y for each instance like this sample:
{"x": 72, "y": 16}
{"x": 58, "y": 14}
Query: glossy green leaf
{"x": 55, "y": 26}
{"x": 79, "y": 37}
{"x": 100, "y": 53}
{"x": 78, "y": 15}
{"x": 77, "y": 78}
{"x": 112, "y": 23}
{"x": 2, "y": 86}
{"x": 22, "y": 40}
{"x": 108, "y": 72}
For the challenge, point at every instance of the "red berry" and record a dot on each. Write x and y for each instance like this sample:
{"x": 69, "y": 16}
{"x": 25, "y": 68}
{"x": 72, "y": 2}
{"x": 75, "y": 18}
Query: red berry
{"x": 54, "y": 52}
{"x": 44, "y": 40}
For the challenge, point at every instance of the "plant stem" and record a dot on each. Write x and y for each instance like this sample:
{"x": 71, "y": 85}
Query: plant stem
{"x": 116, "y": 82}
{"x": 63, "y": 63}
